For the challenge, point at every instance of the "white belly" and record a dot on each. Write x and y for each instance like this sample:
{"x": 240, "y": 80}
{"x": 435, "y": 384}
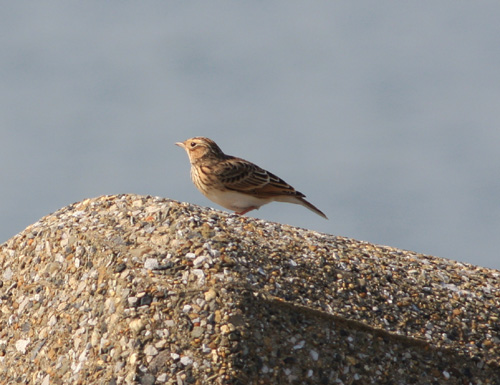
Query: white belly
{"x": 236, "y": 201}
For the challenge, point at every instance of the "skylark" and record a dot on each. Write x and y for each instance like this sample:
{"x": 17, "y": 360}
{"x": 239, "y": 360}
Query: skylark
{"x": 235, "y": 183}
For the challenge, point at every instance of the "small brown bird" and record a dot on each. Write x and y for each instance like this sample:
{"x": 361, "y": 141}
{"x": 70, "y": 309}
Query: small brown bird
{"x": 235, "y": 183}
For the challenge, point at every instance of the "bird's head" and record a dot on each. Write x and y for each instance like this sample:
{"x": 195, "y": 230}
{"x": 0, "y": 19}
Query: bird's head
{"x": 201, "y": 148}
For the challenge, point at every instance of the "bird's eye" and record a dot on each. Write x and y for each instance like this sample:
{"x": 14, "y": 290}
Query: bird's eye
{"x": 193, "y": 144}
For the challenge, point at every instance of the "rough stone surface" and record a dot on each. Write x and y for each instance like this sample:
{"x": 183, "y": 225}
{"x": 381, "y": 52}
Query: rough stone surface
{"x": 131, "y": 289}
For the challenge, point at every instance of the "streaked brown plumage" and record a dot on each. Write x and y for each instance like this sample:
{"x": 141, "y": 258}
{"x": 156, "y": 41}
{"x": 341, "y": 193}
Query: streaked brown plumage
{"x": 235, "y": 183}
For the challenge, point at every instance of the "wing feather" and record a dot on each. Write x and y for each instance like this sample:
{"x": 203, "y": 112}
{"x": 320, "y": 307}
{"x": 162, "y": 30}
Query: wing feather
{"x": 240, "y": 175}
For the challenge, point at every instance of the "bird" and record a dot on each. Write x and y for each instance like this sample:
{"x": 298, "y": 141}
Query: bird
{"x": 234, "y": 183}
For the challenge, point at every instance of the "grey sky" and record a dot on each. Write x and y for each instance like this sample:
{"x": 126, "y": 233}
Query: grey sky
{"x": 386, "y": 115}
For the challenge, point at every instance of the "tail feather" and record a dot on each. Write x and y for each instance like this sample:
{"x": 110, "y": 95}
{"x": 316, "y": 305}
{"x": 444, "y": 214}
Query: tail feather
{"x": 298, "y": 200}
{"x": 311, "y": 207}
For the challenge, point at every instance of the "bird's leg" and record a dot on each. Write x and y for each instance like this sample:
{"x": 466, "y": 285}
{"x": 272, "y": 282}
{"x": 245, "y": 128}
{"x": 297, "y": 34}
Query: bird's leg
{"x": 247, "y": 210}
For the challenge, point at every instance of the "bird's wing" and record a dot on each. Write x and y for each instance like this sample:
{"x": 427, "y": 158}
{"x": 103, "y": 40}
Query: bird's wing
{"x": 241, "y": 175}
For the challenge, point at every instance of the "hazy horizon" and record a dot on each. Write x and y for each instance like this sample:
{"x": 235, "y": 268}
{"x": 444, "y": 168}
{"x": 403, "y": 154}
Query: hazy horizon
{"x": 385, "y": 115}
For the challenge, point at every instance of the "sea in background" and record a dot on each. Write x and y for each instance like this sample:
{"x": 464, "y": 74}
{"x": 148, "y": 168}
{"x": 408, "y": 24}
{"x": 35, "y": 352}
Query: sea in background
{"x": 385, "y": 114}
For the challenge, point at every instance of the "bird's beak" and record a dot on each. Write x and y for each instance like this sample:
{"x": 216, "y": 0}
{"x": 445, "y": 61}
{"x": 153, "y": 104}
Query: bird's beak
{"x": 180, "y": 144}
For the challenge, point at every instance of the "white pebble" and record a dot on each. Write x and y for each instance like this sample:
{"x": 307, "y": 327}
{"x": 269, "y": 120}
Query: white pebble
{"x": 200, "y": 275}
{"x": 136, "y": 325}
{"x": 151, "y": 264}
{"x": 132, "y": 358}
{"x": 7, "y": 274}
{"x": 52, "y": 320}
{"x": 150, "y": 350}
{"x": 21, "y": 345}
{"x": 199, "y": 260}
{"x": 132, "y": 301}
{"x": 185, "y": 360}
{"x": 300, "y": 345}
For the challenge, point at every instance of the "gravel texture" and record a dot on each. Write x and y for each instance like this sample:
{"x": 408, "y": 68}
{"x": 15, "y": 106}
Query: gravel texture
{"x": 131, "y": 289}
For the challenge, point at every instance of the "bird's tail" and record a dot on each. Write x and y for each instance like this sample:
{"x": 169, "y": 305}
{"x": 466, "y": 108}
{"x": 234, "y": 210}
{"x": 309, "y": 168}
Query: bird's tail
{"x": 301, "y": 201}
{"x": 311, "y": 207}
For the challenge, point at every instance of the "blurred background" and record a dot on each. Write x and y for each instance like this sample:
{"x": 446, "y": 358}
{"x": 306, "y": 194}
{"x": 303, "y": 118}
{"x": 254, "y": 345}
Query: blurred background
{"x": 386, "y": 115}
